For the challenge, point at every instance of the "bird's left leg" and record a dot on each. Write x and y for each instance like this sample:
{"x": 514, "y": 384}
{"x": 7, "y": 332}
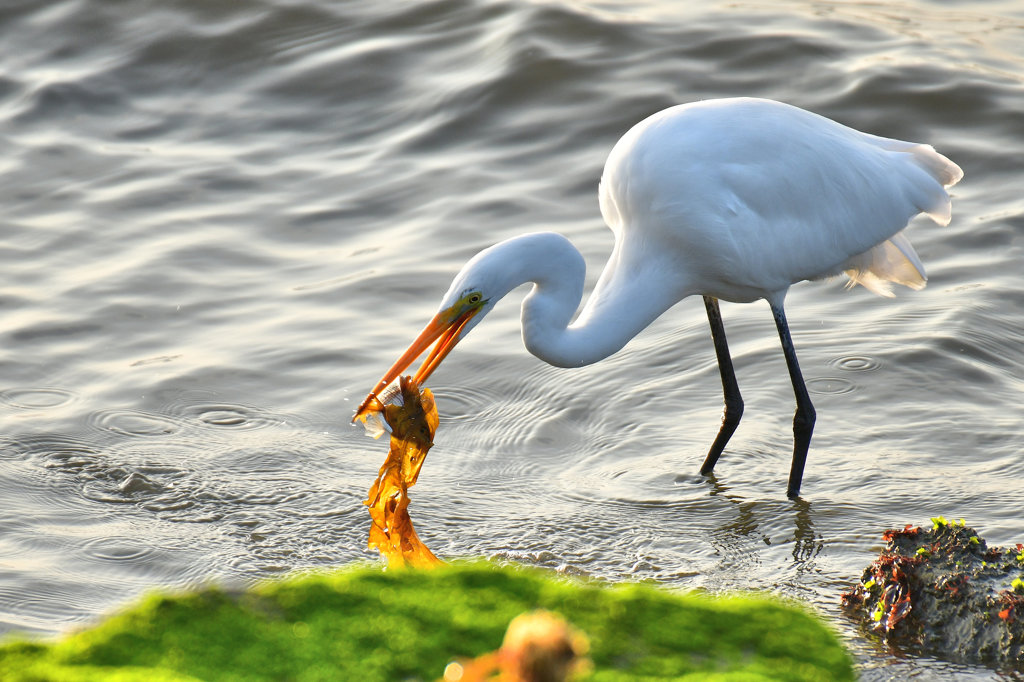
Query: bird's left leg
{"x": 731, "y": 390}
{"x": 803, "y": 420}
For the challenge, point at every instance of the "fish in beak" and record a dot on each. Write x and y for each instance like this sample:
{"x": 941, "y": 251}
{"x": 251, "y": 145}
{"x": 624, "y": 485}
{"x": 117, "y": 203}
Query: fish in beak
{"x": 446, "y": 328}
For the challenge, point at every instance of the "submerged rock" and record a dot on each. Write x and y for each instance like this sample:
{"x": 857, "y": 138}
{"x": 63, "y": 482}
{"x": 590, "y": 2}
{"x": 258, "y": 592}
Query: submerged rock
{"x": 945, "y": 592}
{"x": 138, "y": 483}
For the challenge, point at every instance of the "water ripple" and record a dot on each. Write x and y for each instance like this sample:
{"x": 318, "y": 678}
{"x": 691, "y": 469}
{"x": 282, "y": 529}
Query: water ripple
{"x": 830, "y": 385}
{"x": 54, "y": 451}
{"x": 117, "y": 549}
{"x": 226, "y": 416}
{"x": 463, "y": 402}
{"x": 133, "y": 423}
{"x": 44, "y": 604}
{"x": 36, "y": 398}
{"x": 857, "y": 363}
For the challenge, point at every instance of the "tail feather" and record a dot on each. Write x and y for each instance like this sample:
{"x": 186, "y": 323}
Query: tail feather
{"x": 937, "y": 165}
{"x": 892, "y": 261}
{"x": 931, "y": 200}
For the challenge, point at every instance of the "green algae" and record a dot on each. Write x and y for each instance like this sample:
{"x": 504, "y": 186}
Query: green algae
{"x": 365, "y": 624}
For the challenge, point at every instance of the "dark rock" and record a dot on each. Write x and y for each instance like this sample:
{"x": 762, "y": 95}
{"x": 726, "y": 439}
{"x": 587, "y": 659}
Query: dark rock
{"x": 945, "y": 592}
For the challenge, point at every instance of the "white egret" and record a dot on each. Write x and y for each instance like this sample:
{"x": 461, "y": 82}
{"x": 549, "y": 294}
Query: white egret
{"x": 733, "y": 199}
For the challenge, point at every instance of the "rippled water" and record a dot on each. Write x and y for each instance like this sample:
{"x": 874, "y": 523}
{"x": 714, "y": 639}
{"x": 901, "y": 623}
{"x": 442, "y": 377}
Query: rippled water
{"x": 223, "y": 221}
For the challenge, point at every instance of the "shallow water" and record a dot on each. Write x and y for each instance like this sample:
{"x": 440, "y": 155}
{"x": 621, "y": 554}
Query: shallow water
{"x": 222, "y": 222}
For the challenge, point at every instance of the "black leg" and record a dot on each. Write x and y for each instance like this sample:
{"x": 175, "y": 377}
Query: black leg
{"x": 803, "y": 421}
{"x": 733, "y": 400}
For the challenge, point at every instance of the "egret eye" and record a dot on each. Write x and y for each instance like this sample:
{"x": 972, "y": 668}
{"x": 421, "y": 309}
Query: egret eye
{"x": 474, "y": 298}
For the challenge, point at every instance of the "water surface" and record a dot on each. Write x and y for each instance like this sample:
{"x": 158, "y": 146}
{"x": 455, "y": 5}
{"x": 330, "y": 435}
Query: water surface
{"x": 222, "y": 222}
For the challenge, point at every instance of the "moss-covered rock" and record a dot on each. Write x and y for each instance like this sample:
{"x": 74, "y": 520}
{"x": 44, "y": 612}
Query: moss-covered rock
{"x": 365, "y": 624}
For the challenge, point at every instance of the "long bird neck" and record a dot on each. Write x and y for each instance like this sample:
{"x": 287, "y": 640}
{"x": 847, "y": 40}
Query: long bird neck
{"x": 624, "y": 302}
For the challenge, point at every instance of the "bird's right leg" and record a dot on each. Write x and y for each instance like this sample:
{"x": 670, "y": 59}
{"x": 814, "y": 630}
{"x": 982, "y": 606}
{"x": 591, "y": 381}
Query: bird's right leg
{"x": 731, "y": 389}
{"x": 803, "y": 420}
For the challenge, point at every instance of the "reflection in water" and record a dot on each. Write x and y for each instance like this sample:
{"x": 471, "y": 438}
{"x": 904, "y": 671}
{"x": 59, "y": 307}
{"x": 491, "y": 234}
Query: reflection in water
{"x": 754, "y": 522}
{"x": 806, "y": 543}
{"x": 733, "y": 539}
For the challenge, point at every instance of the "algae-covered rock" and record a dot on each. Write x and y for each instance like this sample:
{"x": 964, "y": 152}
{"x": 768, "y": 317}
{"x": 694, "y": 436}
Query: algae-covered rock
{"x": 364, "y": 624}
{"x": 946, "y": 592}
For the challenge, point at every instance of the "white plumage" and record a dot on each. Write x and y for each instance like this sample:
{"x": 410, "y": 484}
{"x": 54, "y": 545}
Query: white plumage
{"x": 733, "y": 199}
{"x": 749, "y": 196}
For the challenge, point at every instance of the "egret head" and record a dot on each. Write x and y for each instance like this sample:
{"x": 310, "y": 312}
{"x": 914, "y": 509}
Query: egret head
{"x": 481, "y": 283}
{"x": 461, "y": 309}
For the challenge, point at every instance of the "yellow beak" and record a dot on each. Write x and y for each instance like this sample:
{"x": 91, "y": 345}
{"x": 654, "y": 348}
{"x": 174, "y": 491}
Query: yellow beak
{"x": 445, "y": 326}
